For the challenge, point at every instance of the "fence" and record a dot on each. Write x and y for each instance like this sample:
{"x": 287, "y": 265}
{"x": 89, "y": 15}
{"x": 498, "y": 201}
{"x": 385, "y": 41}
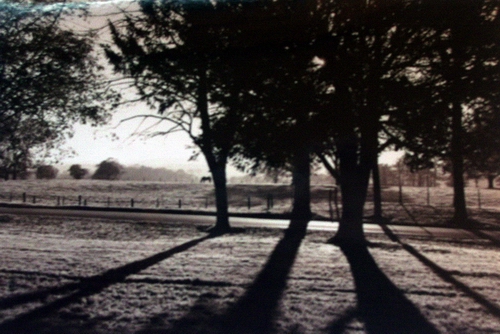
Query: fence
{"x": 325, "y": 200}
{"x": 255, "y": 202}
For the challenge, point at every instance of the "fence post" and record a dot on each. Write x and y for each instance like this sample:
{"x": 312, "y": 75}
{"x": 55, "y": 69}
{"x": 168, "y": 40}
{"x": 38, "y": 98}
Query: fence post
{"x": 180, "y": 203}
{"x": 63, "y": 200}
{"x": 270, "y": 203}
{"x": 132, "y": 203}
{"x": 157, "y": 202}
{"x": 24, "y": 197}
{"x": 85, "y": 202}
{"x": 478, "y": 199}
{"x": 330, "y": 197}
{"x": 58, "y": 200}
{"x": 79, "y": 200}
{"x": 34, "y": 199}
{"x": 428, "y": 192}
{"x": 400, "y": 193}
{"x": 249, "y": 202}
{"x": 335, "y": 200}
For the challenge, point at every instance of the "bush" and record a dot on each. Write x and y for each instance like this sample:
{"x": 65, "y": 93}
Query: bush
{"x": 46, "y": 172}
{"x": 77, "y": 172}
{"x": 108, "y": 170}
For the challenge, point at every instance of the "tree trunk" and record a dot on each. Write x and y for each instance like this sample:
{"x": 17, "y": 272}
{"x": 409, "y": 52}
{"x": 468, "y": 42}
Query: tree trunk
{"x": 216, "y": 163}
{"x": 491, "y": 178}
{"x": 457, "y": 160}
{"x": 377, "y": 191}
{"x": 221, "y": 202}
{"x": 354, "y": 178}
{"x": 301, "y": 212}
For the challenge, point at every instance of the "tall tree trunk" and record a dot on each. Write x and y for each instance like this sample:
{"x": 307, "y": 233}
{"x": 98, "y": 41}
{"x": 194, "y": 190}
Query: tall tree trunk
{"x": 221, "y": 202}
{"x": 354, "y": 178}
{"x": 301, "y": 212}
{"x": 377, "y": 191}
{"x": 457, "y": 160}
{"x": 216, "y": 163}
{"x": 491, "y": 178}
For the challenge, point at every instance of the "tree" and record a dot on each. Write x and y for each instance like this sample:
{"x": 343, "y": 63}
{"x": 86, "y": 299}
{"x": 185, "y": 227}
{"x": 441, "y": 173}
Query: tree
{"x": 461, "y": 68}
{"x": 46, "y": 172}
{"x": 48, "y": 80}
{"x": 108, "y": 170}
{"x": 482, "y": 156}
{"x": 468, "y": 63}
{"x": 77, "y": 172}
{"x": 179, "y": 57}
{"x": 373, "y": 46}
{"x": 277, "y": 100}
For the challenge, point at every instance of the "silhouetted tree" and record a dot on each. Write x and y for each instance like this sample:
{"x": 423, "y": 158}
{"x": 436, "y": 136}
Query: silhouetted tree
{"x": 482, "y": 154}
{"x": 278, "y": 100}
{"x": 174, "y": 53}
{"x": 367, "y": 60}
{"x": 108, "y": 170}
{"x": 46, "y": 172}
{"x": 48, "y": 80}
{"x": 77, "y": 172}
{"x": 461, "y": 67}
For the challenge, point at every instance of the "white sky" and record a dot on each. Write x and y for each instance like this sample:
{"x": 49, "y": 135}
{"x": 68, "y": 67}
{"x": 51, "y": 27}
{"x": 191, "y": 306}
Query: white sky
{"x": 93, "y": 145}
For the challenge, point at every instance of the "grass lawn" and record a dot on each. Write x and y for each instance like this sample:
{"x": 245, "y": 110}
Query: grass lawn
{"x": 99, "y": 276}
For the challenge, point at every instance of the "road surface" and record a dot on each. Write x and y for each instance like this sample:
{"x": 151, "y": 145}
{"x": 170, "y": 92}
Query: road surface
{"x": 314, "y": 225}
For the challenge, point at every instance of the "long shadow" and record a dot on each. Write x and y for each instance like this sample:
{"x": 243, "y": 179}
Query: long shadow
{"x": 445, "y": 275}
{"x": 339, "y": 325}
{"x": 483, "y": 235}
{"x": 381, "y": 305}
{"x": 256, "y": 310}
{"x": 87, "y": 287}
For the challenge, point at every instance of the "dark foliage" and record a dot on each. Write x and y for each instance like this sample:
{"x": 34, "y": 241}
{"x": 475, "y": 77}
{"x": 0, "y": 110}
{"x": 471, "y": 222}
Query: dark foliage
{"x": 48, "y": 80}
{"x": 108, "y": 170}
{"x": 77, "y": 172}
{"x": 46, "y": 172}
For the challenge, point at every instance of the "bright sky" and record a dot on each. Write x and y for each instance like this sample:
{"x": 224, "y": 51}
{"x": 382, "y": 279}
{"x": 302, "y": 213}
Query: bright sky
{"x": 93, "y": 145}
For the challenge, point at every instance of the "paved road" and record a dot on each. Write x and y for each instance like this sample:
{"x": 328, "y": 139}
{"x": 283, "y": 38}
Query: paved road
{"x": 401, "y": 230}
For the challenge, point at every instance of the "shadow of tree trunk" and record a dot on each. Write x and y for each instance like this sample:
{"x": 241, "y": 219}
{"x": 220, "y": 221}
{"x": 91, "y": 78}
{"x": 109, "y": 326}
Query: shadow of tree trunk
{"x": 32, "y": 322}
{"x": 381, "y": 305}
{"x": 256, "y": 310}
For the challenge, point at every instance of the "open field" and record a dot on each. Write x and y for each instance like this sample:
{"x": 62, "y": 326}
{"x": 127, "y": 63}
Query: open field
{"x": 100, "y": 276}
{"x": 432, "y": 206}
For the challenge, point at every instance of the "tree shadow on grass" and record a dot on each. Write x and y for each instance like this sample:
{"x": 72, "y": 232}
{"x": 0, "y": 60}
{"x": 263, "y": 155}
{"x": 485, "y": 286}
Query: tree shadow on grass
{"x": 476, "y": 231}
{"x": 28, "y": 322}
{"x": 256, "y": 310}
{"x": 445, "y": 275}
{"x": 381, "y": 305}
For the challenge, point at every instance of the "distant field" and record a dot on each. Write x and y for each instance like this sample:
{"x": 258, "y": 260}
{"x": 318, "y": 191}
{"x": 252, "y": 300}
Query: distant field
{"x": 432, "y": 206}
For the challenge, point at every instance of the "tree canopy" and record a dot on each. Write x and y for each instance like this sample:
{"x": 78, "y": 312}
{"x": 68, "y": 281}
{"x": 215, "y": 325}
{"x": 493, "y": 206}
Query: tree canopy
{"x": 108, "y": 170}
{"x": 49, "y": 79}
{"x": 342, "y": 80}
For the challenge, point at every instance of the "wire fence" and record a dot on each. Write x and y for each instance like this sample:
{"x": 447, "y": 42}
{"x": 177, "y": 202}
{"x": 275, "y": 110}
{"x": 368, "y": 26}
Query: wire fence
{"x": 253, "y": 202}
{"x": 435, "y": 203}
